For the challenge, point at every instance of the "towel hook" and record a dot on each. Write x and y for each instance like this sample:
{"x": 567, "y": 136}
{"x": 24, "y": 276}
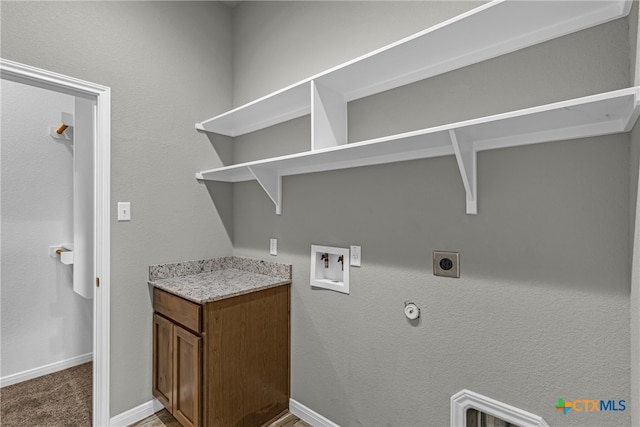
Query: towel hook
{"x": 61, "y": 129}
{"x": 63, "y": 132}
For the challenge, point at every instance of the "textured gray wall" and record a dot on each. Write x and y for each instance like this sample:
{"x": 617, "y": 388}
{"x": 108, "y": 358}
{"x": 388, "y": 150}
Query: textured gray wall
{"x": 309, "y": 38}
{"x": 634, "y": 34}
{"x": 168, "y": 65}
{"x": 542, "y": 308}
{"x": 635, "y": 223}
{"x": 635, "y": 274}
{"x": 553, "y": 322}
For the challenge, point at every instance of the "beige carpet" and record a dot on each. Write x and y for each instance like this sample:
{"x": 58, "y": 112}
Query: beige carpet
{"x": 61, "y": 399}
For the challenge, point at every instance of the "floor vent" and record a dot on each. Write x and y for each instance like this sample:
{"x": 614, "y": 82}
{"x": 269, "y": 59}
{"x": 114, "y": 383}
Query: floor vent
{"x": 469, "y": 409}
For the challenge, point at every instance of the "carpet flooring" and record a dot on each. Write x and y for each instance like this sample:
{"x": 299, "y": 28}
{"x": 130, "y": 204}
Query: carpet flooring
{"x": 61, "y": 399}
{"x": 64, "y": 399}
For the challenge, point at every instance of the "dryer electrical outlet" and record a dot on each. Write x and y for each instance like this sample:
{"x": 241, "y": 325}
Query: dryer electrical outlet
{"x": 446, "y": 264}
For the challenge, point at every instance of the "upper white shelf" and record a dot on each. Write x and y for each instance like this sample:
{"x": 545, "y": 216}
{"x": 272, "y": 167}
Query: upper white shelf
{"x": 491, "y": 30}
{"x": 602, "y": 114}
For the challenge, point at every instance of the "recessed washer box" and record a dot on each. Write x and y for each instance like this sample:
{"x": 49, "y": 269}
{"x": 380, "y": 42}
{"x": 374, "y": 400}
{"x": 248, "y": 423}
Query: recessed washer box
{"x": 330, "y": 268}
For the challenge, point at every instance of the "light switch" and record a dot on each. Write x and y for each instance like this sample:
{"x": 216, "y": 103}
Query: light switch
{"x": 124, "y": 211}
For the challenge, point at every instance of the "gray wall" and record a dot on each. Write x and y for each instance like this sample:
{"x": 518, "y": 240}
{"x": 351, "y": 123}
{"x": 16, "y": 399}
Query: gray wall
{"x": 635, "y": 275}
{"x": 542, "y": 308}
{"x": 633, "y": 40}
{"x": 293, "y": 40}
{"x": 168, "y": 65}
{"x": 536, "y": 315}
{"x": 635, "y": 223}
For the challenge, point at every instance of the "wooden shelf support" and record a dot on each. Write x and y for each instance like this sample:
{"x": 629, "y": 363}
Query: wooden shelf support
{"x": 466, "y": 156}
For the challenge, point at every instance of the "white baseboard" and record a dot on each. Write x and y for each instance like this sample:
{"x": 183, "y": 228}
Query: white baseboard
{"x": 309, "y": 416}
{"x": 151, "y": 407}
{"x": 136, "y": 414}
{"x": 45, "y": 370}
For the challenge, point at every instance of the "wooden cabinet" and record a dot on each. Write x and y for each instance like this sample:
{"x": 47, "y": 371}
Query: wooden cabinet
{"x": 222, "y": 363}
{"x": 186, "y": 377}
{"x": 163, "y": 361}
{"x": 177, "y": 370}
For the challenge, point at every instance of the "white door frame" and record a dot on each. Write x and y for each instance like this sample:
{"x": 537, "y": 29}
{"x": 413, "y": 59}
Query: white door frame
{"x": 32, "y": 76}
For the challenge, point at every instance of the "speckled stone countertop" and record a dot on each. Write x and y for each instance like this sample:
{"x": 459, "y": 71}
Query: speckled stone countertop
{"x": 214, "y": 279}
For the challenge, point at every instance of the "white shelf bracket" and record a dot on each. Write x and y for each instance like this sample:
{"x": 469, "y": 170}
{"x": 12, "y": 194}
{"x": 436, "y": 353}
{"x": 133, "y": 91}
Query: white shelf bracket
{"x": 466, "y": 156}
{"x": 271, "y": 182}
{"x": 634, "y": 111}
{"x": 328, "y": 117}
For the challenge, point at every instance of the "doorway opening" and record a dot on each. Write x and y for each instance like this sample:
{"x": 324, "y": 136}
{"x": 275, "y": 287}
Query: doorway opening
{"x": 92, "y": 105}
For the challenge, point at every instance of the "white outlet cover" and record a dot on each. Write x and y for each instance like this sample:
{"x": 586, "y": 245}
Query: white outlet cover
{"x": 273, "y": 246}
{"x": 356, "y": 256}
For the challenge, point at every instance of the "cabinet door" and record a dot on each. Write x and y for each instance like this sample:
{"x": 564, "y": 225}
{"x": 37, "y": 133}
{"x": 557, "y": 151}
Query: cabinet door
{"x": 163, "y": 361}
{"x": 186, "y": 377}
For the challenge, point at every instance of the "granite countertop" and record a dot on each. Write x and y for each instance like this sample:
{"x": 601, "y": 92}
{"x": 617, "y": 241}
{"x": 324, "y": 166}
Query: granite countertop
{"x": 218, "y": 278}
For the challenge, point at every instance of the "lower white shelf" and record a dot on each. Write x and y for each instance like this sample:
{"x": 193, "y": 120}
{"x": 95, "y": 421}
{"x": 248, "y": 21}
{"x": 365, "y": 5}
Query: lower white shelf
{"x": 596, "y": 115}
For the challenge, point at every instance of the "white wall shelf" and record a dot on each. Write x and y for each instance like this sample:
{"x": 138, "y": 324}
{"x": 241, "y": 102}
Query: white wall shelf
{"x": 602, "y": 114}
{"x": 493, "y": 29}
{"x": 488, "y": 31}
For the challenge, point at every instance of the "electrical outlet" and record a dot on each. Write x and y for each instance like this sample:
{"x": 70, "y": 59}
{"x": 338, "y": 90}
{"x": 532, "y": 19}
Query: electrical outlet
{"x": 273, "y": 246}
{"x": 356, "y": 256}
{"x": 446, "y": 264}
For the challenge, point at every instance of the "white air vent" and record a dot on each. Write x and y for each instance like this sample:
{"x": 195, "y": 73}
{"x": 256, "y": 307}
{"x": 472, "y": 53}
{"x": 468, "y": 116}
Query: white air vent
{"x": 465, "y": 400}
